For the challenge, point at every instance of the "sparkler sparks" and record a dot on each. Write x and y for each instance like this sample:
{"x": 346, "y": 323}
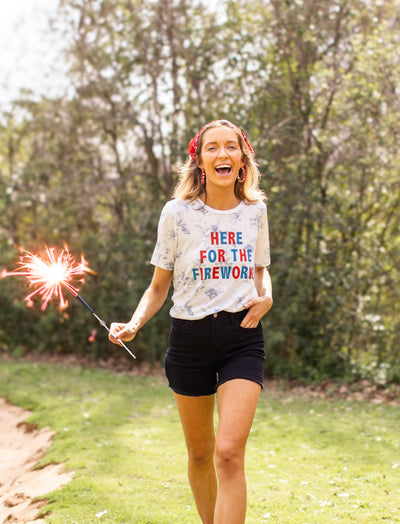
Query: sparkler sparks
{"x": 48, "y": 273}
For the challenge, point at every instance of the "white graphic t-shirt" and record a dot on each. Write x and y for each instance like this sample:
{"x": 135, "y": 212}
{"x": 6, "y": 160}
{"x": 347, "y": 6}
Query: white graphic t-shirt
{"x": 213, "y": 254}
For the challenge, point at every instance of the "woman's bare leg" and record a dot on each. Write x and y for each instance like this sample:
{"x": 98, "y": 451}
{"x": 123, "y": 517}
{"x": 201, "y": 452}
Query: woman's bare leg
{"x": 237, "y": 400}
{"x": 197, "y": 418}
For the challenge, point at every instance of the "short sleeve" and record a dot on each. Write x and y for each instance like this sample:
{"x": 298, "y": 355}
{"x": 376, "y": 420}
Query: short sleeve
{"x": 262, "y": 256}
{"x": 165, "y": 251}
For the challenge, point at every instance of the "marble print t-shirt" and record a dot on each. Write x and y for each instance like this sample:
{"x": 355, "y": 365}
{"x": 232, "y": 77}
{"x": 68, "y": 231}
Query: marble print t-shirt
{"x": 213, "y": 254}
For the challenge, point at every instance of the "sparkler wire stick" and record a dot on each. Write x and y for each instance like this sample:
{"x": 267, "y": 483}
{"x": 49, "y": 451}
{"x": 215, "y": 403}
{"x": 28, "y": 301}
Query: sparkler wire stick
{"x": 101, "y": 322}
{"x": 48, "y": 273}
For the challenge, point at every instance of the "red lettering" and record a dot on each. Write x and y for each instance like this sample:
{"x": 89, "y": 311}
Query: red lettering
{"x": 242, "y": 255}
{"x": 236, "y": 272}
{"x": 221, "y": 255}
{"x": 215, "y": 273}
{"x": 203, "y": 255}
{"x": 214, "y": 237}
{"x": 231, "y": 237}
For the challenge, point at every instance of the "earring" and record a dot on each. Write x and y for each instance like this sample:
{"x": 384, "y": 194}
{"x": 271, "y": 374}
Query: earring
{"x": 242, "y": 174}
{"x": 203, "y": 177}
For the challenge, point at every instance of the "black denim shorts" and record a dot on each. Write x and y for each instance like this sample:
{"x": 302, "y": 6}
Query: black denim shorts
{"x": 203, "y": 354}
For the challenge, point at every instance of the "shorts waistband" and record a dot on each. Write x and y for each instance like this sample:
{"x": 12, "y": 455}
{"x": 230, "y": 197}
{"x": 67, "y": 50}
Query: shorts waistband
{"x": 227, "y": 314}
{"x": 218, "y": 314}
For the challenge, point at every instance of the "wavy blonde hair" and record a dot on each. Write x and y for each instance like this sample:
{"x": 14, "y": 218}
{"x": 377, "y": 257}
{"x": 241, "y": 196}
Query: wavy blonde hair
{"x": 189, "y": 185}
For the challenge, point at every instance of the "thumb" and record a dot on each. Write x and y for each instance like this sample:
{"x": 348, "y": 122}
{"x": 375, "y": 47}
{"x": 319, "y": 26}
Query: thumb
{"x": 250, "y": 303}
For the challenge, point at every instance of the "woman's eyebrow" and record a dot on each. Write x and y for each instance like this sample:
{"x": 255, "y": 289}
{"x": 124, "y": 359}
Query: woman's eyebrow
{"x": 227, "y": 142}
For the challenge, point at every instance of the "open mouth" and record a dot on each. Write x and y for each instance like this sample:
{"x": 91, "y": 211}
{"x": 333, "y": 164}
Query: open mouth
{"x": 223, "y": 170}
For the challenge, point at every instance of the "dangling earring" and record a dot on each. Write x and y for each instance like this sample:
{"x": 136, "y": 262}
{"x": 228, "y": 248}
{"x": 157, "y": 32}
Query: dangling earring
{"x": 242, "y": 174}
{"x": 203, "y": 177}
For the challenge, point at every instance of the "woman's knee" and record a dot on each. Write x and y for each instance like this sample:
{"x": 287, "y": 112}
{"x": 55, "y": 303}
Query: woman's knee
{"x": 201, "y": 453}
{"x": 229, "y": 456}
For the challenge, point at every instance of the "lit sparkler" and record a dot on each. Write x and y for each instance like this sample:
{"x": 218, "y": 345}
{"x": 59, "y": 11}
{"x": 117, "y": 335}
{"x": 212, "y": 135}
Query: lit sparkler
{"x": 49, "y": 273}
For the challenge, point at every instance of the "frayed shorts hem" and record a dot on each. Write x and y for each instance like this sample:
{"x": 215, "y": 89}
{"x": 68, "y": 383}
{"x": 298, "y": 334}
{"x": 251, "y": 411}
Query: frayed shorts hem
{"x": 185, "y": 394}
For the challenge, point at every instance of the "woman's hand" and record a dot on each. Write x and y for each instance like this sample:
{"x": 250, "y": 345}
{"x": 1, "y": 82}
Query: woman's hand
{"x": 120, "y": 331}
{"x": 258, "y": 307}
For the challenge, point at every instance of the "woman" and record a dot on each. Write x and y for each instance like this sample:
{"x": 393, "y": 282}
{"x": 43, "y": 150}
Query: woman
{"x": 213, "y": 242}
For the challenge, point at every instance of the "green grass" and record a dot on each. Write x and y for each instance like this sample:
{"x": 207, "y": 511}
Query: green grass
{"x": 308, "y": 461}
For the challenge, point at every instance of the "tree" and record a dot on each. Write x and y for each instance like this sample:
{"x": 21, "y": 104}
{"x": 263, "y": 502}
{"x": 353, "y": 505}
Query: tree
{"x": 325, "y": 180}
{"x": 313, "y": 84}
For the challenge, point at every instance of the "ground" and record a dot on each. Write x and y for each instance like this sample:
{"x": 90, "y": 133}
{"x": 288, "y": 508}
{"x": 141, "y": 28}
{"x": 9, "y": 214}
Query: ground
{"x": 22, "y": 445}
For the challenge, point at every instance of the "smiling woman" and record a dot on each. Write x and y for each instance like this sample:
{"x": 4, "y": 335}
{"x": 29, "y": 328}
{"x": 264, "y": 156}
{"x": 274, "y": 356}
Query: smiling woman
{"x": 213, "y": 244}
{"x": 221, "y": 160}
{"x": 193, "y": 179}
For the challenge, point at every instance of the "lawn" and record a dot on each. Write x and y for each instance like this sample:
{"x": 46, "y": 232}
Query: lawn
{"x": 308, "y": 461}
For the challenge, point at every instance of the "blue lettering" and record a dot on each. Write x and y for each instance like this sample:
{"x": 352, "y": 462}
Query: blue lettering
{"x": 226, "y": 271}
{"x": 212, "y": 255}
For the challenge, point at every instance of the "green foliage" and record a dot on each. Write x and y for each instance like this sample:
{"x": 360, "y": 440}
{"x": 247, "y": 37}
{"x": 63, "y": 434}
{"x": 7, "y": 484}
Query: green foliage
{"x": 314, "y": 84}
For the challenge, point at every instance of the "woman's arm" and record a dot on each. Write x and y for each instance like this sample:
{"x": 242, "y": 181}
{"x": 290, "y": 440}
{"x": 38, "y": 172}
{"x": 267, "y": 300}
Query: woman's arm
{"x": 152, "y": 300}
{"x": 258, "y": 307}
{"x": 262, "y": 281}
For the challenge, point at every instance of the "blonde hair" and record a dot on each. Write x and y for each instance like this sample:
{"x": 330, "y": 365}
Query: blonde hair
{"x": 189, "y": 185}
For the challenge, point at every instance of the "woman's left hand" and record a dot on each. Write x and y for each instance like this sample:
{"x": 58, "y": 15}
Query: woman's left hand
{"x": 258, "y": 307}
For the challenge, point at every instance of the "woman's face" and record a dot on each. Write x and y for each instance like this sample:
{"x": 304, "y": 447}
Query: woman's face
{"x": 220, "y": 157}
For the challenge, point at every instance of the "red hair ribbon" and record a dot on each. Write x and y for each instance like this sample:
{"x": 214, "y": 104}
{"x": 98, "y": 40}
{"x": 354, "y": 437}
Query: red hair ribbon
{"x": 194, "y": 142}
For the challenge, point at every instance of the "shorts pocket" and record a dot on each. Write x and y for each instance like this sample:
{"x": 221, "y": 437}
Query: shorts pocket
{"x": 237, "y": 318}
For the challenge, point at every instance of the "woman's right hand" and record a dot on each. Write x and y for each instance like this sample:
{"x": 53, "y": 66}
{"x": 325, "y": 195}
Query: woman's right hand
{"x": 120, "y": 331}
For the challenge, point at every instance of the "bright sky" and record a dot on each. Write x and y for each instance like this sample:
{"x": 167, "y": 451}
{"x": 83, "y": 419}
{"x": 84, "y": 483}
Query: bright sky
{"x": 29, "y": 52}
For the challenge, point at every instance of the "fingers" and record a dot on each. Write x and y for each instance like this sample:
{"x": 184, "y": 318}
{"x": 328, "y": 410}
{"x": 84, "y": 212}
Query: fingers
{"x": 257, "y": 307}
{"x": 123, "y": 331}
{"x": 251, "y": 320}
{"x": 248, "y": 322}
{"x": 119, "y": 331}
{"x": 250, "y": 303}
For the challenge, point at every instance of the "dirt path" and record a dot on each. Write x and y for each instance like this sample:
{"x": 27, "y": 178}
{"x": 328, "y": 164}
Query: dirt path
{"x": 22, "y": 445}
